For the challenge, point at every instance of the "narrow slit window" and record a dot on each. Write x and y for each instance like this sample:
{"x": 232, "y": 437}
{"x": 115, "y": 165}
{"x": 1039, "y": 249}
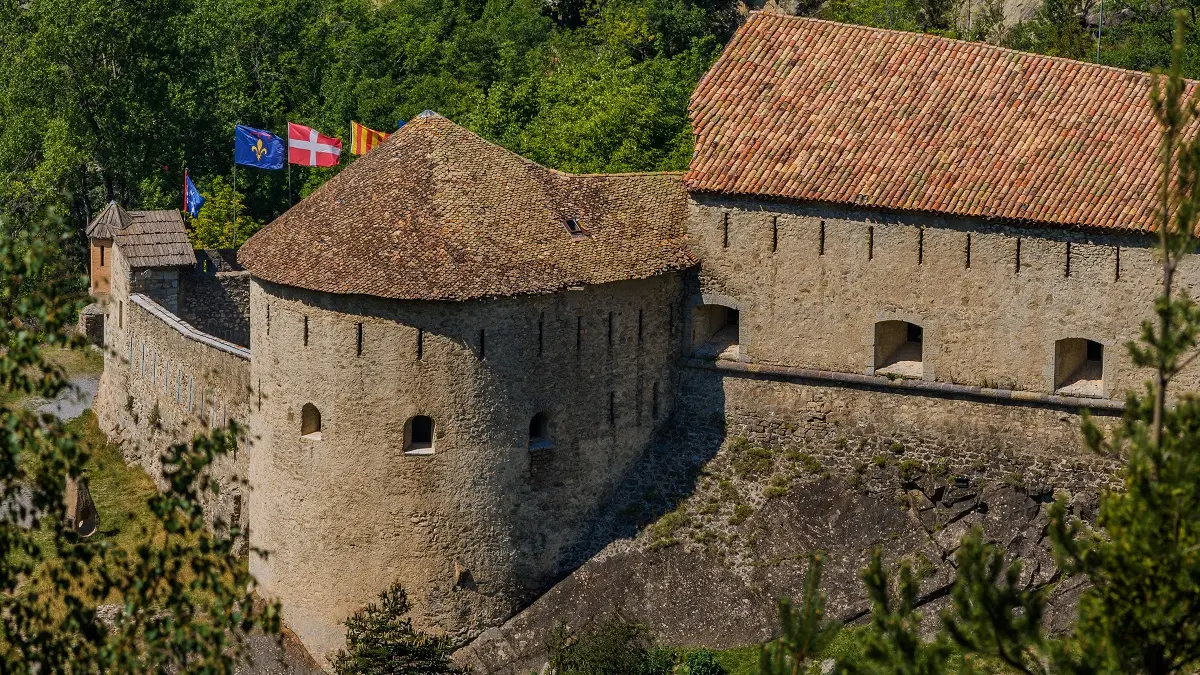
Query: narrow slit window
{"x": 870, "y": 242}
{"x": 121, "y": 313}
{"x": 1116, "y": 263}
{"x": 670, "y": 318}
{"x": 420, "y": 344}
{"x": 1018, "y": 260}
{"x": 305, "y": 330}
{"x": 821, "y": 240}
{"x": 102, "y": 256}
{"x": 774, "y": 233}
{"x": 578, "y": 333}
{"x": 610, "y": 330}
{"x": 541, "y": 329}
{"x": 921, "y": 246}
{"x": 482, "y": 344}
{"x": 1067, "y": 264}
{"x": 725, "y": 231}
{"x": 268, "y": 318}
{"x": 968, "y": 250}
{"x": 359, "y": 346}
{"x": 612, "y": 409}
{"x": 640, "y": 327}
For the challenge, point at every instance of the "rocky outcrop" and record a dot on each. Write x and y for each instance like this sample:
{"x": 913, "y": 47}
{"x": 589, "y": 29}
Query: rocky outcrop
{"x": 708, "y": 573}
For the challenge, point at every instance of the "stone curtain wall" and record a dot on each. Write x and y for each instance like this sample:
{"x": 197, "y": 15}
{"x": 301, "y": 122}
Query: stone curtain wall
{"x": 163, "y": 383}
{"x": 215, "y": 296}
{"x": 851, "y": 429}
{"x": 478, "y": 528}
{"x": 812, "y": 280}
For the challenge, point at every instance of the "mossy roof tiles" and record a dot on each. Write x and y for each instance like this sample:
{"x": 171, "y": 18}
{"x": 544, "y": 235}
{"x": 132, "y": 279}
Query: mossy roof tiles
{"x": 438, "y": 213}
{"x": 805, "y": 109}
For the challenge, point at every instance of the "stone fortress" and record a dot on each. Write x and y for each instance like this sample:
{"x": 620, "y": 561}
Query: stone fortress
{"x": 448, "y": 357}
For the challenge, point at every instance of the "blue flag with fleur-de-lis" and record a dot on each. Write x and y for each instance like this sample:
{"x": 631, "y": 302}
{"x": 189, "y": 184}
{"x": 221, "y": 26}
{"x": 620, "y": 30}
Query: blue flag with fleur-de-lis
{"x": 257, "y": 148}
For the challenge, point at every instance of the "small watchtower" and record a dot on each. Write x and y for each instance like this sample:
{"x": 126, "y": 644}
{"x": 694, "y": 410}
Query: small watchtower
{"x": 101, "y": 233}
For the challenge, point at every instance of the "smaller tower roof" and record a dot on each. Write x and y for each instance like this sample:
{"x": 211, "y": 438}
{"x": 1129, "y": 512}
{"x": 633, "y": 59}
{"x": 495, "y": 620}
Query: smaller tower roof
{"x": 146, "y": 238}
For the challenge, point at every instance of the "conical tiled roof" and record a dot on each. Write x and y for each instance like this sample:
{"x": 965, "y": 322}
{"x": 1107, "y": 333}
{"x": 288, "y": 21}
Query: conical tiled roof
{"x": 108, "y": 222}
{"x": 438, "y": 213}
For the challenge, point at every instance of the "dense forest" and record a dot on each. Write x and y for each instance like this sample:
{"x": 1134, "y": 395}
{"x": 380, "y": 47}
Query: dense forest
{"x": 113, "y": 99}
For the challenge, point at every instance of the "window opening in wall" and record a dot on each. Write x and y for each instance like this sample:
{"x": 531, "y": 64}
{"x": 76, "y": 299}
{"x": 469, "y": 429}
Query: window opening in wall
{"x": 310, "y": 422}
{"x": 539, "y": 432}
{"x": 670, "y": 318}
{"x": 578, "y": 333}
{"x": 574, "y": 228}
{"x": 1018, "y": 262}
{"x": 120, "y": 314}
{"x": 715, "y": 332}
{"x": 774, "y": 233}
{"x": 1117, "y": 265}
{"x": 418, "y": 436}
{"x": 639, "y": 327}
{"x": 821, "y": 240}
{"x": 1067, "y": 266}
{"x": 1078, "y": 367}
{"x": 268, "y": 318}
{"x": 921, "y": 246}
{"x": 968, "y": 250}
{"x": 898, "y": 349}
{"x": 725, "y": 231}
{"x": 541, "y": 327}
{"x": 654, "y": 401}
{"x": 102, "y": 256}
{"x": 610, "y": 330}
{"x": 870, "y": 242}
{"x": 612, "y": 409}
{"x": 305, "y": 330}
{"x": 482, "y": 344}
{"x": 420, "y": 344}
{"x": 359, "y": 345}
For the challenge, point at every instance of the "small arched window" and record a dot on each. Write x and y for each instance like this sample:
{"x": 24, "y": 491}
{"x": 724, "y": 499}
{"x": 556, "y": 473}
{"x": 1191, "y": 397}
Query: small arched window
{"x": 418, "y": 436}
{"x": 310, "y": 422}
{"x": 539, "y": 432}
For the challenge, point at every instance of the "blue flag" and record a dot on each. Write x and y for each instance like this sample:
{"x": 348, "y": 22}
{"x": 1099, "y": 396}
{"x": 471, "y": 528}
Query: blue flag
{"x": 192, "y": 201}
{"x": 258, "y": 148}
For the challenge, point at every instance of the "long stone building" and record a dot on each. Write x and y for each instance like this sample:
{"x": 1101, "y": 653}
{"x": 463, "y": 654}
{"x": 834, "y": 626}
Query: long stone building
{"x": 448, "y": 357}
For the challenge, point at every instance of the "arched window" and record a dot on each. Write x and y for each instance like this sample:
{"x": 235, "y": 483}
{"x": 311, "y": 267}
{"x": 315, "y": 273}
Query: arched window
{"x": 418, "y": 436}
{"x": 1078, "y": 367}
{"x": 310, "y": 422}
{"x": 539, "y": 432}
{"x": 715, "y": 332}
{"x": 898, "y": 349}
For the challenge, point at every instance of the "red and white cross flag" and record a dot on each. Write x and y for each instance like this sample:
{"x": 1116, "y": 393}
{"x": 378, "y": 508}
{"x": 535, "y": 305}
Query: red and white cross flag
{"x": 306, "y": 147}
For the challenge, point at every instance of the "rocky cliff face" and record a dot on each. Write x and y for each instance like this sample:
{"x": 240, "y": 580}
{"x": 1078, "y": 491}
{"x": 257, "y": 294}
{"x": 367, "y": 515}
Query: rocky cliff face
{"x": 708, "y": 572}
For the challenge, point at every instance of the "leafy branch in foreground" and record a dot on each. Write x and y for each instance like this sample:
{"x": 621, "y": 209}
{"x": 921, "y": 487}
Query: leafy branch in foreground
{"x": 806, "y": 633}
{"x": 186, "y": 599}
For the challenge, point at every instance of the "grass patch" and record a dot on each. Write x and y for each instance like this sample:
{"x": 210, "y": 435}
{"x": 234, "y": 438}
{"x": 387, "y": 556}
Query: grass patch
{"x": 750, "y": 461}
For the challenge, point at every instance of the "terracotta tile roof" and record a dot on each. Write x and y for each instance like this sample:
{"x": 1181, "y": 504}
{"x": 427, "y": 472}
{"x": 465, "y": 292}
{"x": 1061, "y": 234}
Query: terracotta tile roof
{"x": 155, "y": 239}
{"x": 813, "y": 110}
{"x": 438, "y": 213}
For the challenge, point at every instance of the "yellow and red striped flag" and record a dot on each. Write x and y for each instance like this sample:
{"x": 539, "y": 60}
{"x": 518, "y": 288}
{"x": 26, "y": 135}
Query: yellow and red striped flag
{"x": 362, "y": 139}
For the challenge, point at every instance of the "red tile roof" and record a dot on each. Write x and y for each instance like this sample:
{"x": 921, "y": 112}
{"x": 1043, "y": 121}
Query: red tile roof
{"x": 813, "y": 110}
{"x": 438, "y": 213}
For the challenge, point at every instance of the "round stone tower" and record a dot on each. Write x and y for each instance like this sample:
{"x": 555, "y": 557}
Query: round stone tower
{"x": 457, "y": 355}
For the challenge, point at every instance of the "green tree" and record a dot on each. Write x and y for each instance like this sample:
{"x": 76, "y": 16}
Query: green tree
{"x": 222, "y": 221}
{"x": 187, "y": 598}
{"x": 615, "y": 647}
{"x": 380, "y": 640}
{"x": 805, "y": 632}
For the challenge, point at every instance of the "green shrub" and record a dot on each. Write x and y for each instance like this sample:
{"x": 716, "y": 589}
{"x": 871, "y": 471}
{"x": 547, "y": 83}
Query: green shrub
{"x": 740, "y": 513}
{"x": 750, "y": 461}
{"x": 700, "y": 662}
{"x": 613, "y": 648}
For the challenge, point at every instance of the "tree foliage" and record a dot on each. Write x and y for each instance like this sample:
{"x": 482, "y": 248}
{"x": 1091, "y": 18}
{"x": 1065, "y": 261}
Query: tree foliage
{"x": 222, "y": 221}
{"x": 380, "y": 640}
{"x": 187, "y": 600}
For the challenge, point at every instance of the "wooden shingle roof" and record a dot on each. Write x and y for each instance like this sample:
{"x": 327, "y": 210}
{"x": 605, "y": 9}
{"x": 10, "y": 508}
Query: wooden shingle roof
{"x": 438, "y": 213}
{"x": 155, "y": 239}
{"x": 813, "y": 110}
{"x": 108, "y": 222}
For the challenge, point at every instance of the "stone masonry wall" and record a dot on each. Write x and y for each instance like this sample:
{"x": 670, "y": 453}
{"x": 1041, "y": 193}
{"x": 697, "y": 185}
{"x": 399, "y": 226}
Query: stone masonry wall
{"x": 488, "y": 520}
{"x": 812, "y": 280}
{"x": 163, "y": 383}
{"x": 215, "y": 297}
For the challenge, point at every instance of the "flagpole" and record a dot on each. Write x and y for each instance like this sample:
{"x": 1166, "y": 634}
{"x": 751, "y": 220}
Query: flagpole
{"x": 235, "y": 201}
